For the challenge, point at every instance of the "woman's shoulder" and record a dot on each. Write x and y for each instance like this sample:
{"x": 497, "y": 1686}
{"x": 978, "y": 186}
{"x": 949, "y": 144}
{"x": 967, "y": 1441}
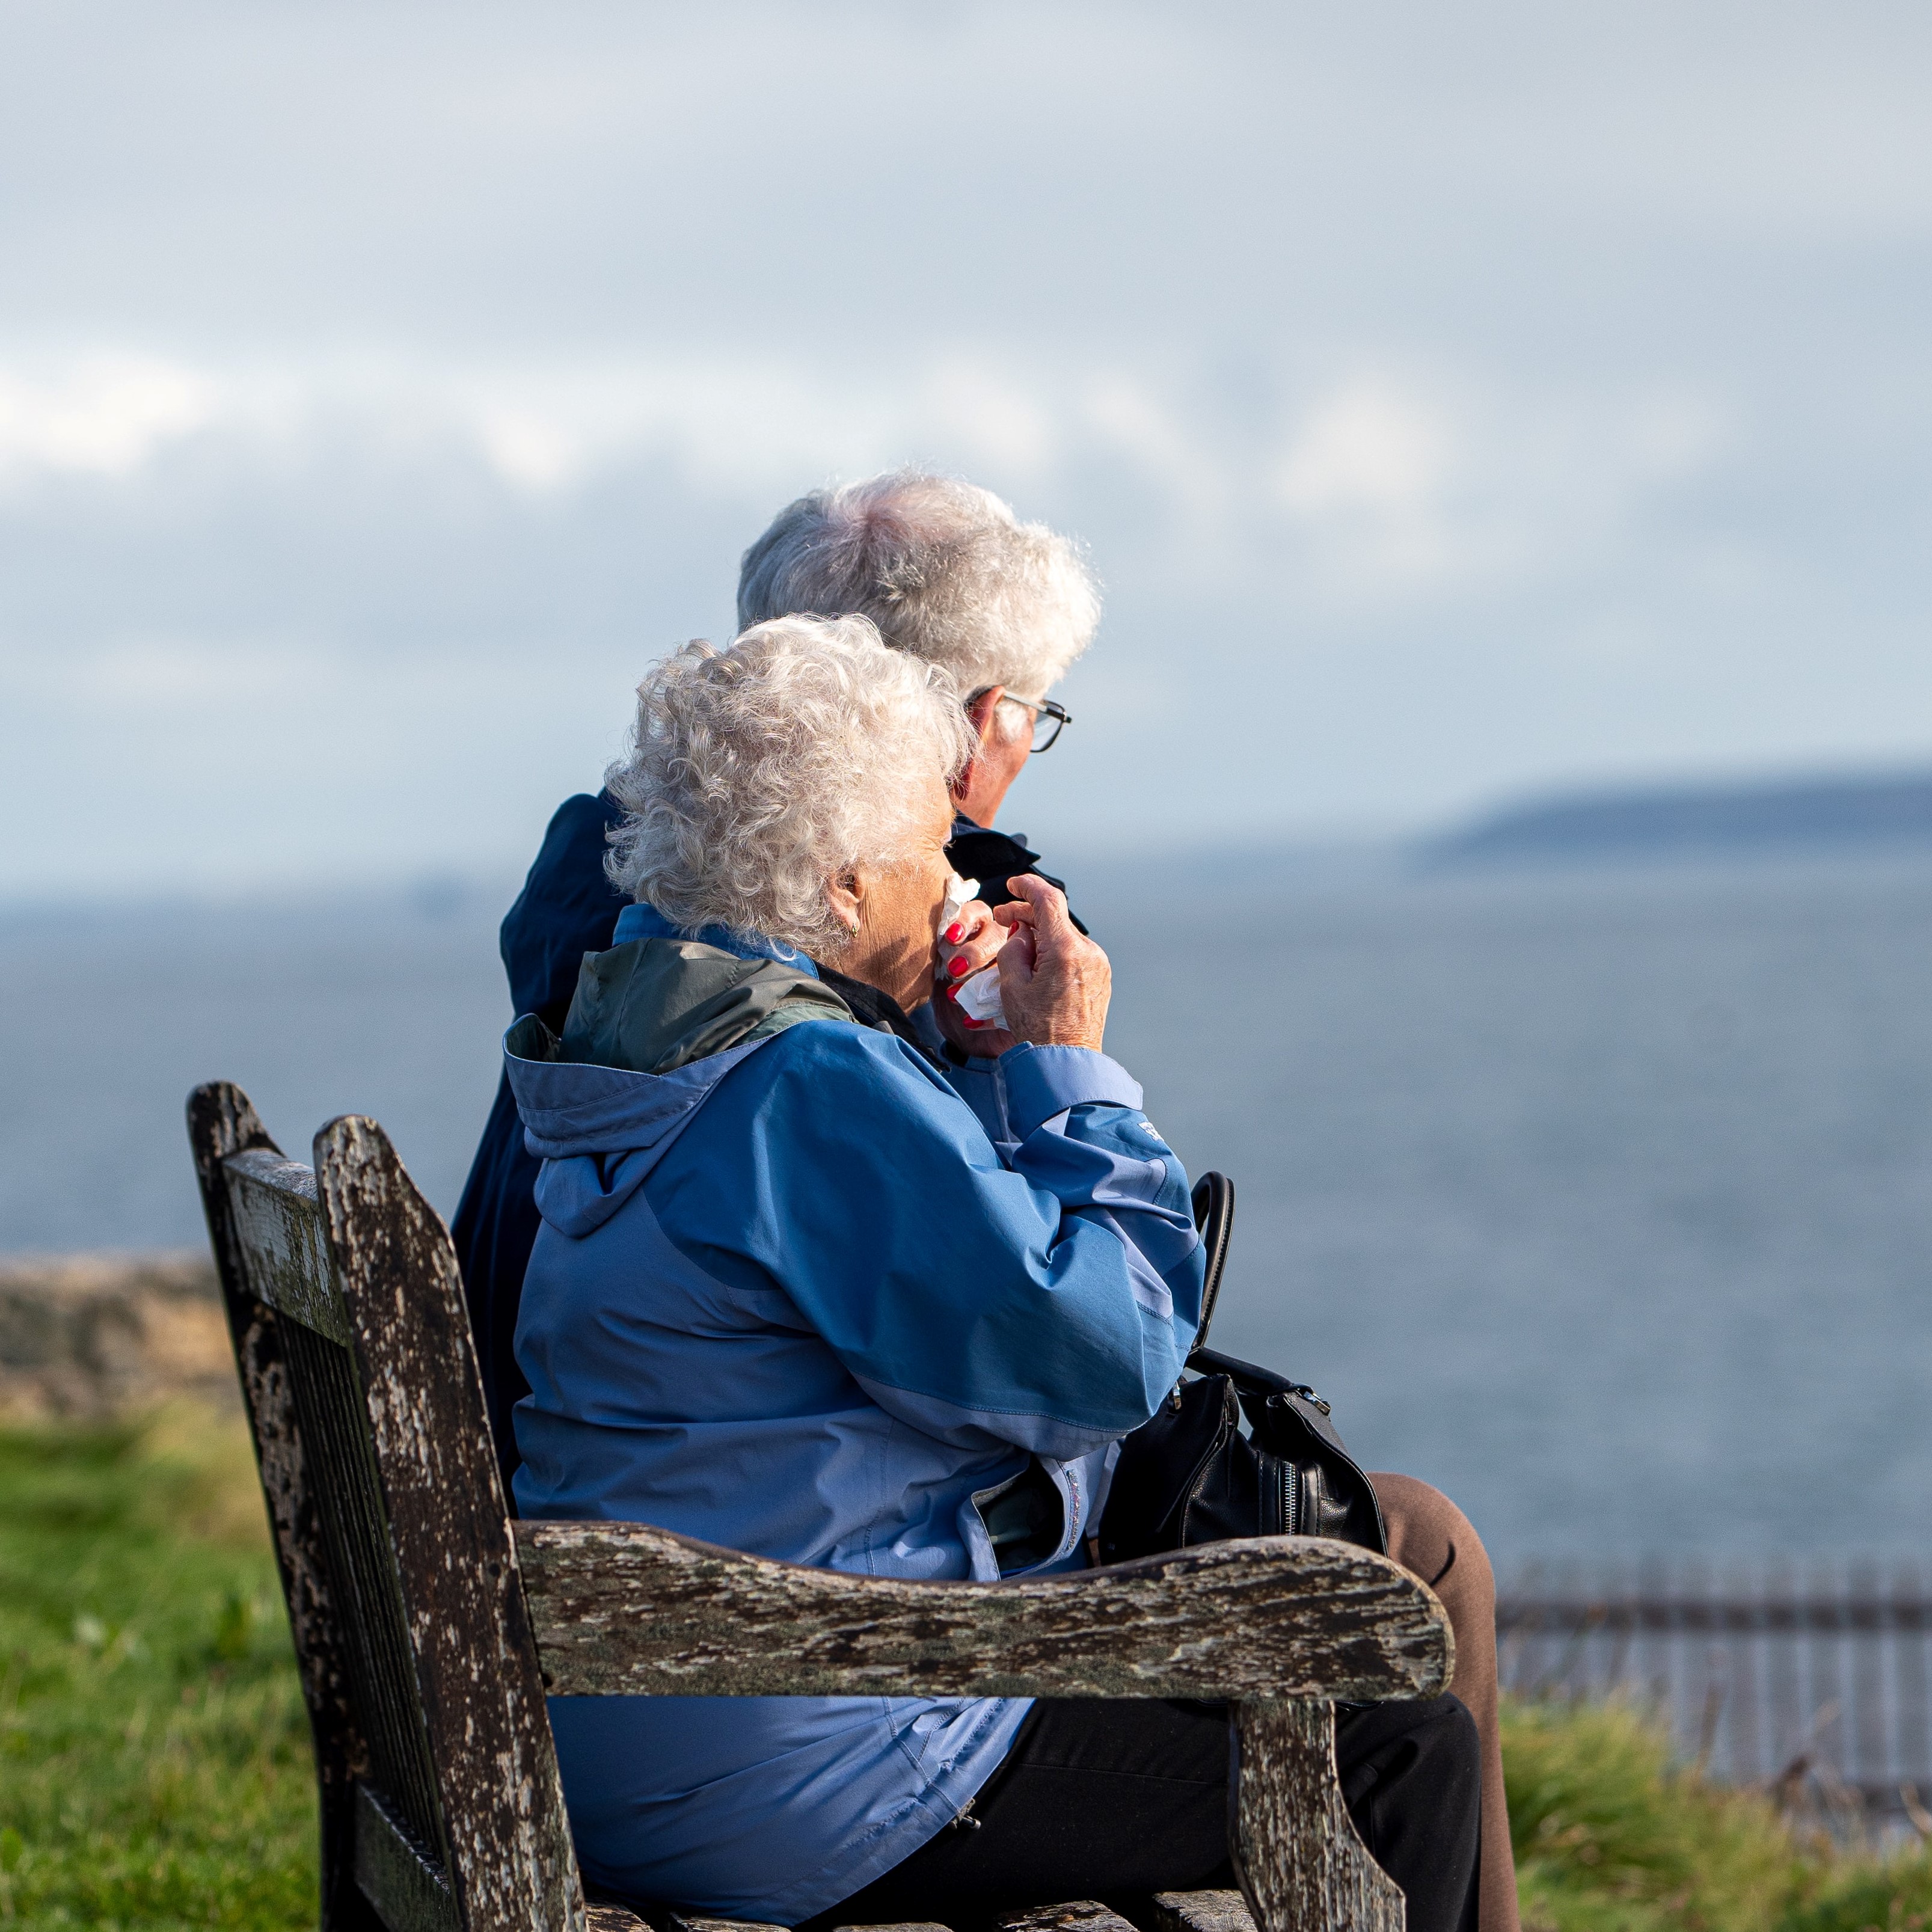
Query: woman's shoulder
{"x": 821, "y": 1068}
{"x": 813, "y": 1104}
{"x": 821, "y": 1051}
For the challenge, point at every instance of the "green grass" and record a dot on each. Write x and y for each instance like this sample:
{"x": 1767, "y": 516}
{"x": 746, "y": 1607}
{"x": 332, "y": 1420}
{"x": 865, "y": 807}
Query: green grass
{"x": 154, "y": 1765}
{"x": 1610, "y": 1838}
{"x": 155, "y": 1761}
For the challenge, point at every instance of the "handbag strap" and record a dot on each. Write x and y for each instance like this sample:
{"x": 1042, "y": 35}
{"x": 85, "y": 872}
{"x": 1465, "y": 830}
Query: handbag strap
{"x": 1251, "y": 1377}
{"x": 1213, "y": 1204}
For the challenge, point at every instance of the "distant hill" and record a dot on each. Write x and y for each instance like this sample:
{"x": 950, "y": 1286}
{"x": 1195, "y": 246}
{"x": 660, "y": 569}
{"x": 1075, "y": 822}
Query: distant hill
{"x": 1793, "y": 815}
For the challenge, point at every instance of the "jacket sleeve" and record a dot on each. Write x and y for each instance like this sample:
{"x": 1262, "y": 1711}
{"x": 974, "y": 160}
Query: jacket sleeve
{"x": 1047, "y": 1300}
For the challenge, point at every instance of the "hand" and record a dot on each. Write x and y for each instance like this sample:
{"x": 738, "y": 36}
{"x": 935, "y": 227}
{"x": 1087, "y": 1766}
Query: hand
{"x": 1055, "y": 982}
{"x": 972, "y": 941}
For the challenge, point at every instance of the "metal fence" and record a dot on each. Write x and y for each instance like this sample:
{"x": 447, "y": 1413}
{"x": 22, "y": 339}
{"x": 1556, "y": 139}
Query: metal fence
{"x": 1782, "y": 1674}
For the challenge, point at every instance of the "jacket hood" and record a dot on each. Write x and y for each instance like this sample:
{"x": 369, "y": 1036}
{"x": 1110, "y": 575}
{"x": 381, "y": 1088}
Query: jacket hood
{"x": 654, "y": 1005}
{"x": 655, "y": 1025}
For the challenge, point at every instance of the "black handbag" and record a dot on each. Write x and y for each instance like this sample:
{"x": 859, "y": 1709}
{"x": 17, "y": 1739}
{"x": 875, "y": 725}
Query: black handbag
{"x": 1190, "y": 1475}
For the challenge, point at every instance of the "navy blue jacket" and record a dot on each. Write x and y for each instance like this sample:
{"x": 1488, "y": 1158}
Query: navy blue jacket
{"x": 568, "y": 908}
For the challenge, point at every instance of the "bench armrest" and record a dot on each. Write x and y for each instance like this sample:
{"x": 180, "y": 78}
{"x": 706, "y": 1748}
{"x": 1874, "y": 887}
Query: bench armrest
{"x": 625, "y": 1608}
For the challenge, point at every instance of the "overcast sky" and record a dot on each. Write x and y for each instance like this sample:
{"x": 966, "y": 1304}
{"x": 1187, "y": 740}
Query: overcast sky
{"x": 1454, "y": 400}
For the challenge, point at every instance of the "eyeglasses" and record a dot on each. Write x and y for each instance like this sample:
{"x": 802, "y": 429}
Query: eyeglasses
{"x": 1049, "y": 718}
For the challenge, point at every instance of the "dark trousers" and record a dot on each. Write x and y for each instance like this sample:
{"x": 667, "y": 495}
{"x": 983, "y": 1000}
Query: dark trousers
{"x": 1117, "y": 1799}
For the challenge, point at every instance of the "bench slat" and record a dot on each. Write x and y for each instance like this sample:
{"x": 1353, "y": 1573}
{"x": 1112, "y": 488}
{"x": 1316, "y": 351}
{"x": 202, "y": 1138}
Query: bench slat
{"x": 1082, "y": 1912}
{"x": 692, "y": 1921}
{"x": 476, "y": 1679}
{"x": 625, "y": 1608}
{"x": 277, "y": 1219}
{"x": 1202, "y": 1912}
{"x": 222, "y": 1125}
{"x": 394, "y": 1876}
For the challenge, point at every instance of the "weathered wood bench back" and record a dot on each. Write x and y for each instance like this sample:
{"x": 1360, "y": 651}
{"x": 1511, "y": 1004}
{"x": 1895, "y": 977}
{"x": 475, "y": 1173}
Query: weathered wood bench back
{"x": 441, "y": 1802}
{"x": 429, "y": 1627}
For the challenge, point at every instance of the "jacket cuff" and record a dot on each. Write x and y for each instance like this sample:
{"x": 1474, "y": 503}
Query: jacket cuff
{"x": 1043, "y": 1080}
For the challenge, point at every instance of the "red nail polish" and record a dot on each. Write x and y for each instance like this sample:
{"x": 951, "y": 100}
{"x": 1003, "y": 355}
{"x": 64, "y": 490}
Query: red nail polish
{"x": 954, "y": 933}
{"x": 958, "y": 967}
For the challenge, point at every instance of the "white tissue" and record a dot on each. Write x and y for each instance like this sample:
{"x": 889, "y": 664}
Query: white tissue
{"x": 979, "y": 997}
{"x": 957, "y": 893}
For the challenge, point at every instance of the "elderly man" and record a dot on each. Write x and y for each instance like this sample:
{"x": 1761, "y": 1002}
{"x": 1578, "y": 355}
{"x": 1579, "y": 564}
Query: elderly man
{"x": 945, "y": 572}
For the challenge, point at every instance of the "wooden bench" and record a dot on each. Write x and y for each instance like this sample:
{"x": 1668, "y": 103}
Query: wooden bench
{"x": 429, "y": 1626}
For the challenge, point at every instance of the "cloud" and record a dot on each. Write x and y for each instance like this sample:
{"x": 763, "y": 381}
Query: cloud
{"x": 1366, "y": 476}
{"x": 98, "y": 415}
{"x": 1397, "y": 480}
{"x": 524, "y": 447}
{"x": 730, "y": 420}
{"x": 1368, "y": 448}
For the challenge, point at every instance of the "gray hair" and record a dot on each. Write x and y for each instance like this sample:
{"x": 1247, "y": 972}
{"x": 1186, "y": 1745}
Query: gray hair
{"x": 757, "y": 774}
{"x": 945, "y": 570}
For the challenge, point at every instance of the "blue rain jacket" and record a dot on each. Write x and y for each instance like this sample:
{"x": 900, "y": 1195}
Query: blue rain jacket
{"x": 790, "y": 1297}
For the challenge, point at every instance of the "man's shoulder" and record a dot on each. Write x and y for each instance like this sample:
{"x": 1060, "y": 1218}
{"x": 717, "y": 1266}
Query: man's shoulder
{"x": 568, "y": 906}
{"x": 575, "y": 841}
{"x": 992, "y": 857}
{"x": 979, "y": 852}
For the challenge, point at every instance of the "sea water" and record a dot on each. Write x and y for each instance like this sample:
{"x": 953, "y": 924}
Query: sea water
{"x": 1604, "y": 1200}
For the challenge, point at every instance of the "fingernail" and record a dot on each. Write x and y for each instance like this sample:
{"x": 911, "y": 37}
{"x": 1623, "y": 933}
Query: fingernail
{"x": 951, "y": 992}
{"x": 958, "y": 967}
{"x": 955, "y": 933}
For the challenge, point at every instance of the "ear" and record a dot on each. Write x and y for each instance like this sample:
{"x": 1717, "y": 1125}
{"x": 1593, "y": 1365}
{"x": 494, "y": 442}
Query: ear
{"x": 981, "y": 711}
{"x": 979, "y": 714}
{"x": 846, "y": 895}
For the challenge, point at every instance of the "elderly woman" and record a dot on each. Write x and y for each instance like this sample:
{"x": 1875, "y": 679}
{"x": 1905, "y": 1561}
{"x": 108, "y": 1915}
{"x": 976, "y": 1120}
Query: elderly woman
{"x": 789, "y": 1296}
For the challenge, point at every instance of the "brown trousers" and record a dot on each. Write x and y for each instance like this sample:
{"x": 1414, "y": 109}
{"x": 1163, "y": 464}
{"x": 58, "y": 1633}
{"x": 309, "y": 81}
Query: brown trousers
{"x": 1431, "y": 1537}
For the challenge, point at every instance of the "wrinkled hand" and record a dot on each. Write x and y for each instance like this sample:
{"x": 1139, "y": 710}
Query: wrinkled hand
{"x": 1055, "y": 982}
{"x": 972, "y": 941}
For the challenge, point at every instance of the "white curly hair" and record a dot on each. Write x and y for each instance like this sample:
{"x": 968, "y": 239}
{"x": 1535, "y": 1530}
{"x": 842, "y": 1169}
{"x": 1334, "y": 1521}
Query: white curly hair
{"x": 943, "y": 568}
{"x": 757, "y": 774}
